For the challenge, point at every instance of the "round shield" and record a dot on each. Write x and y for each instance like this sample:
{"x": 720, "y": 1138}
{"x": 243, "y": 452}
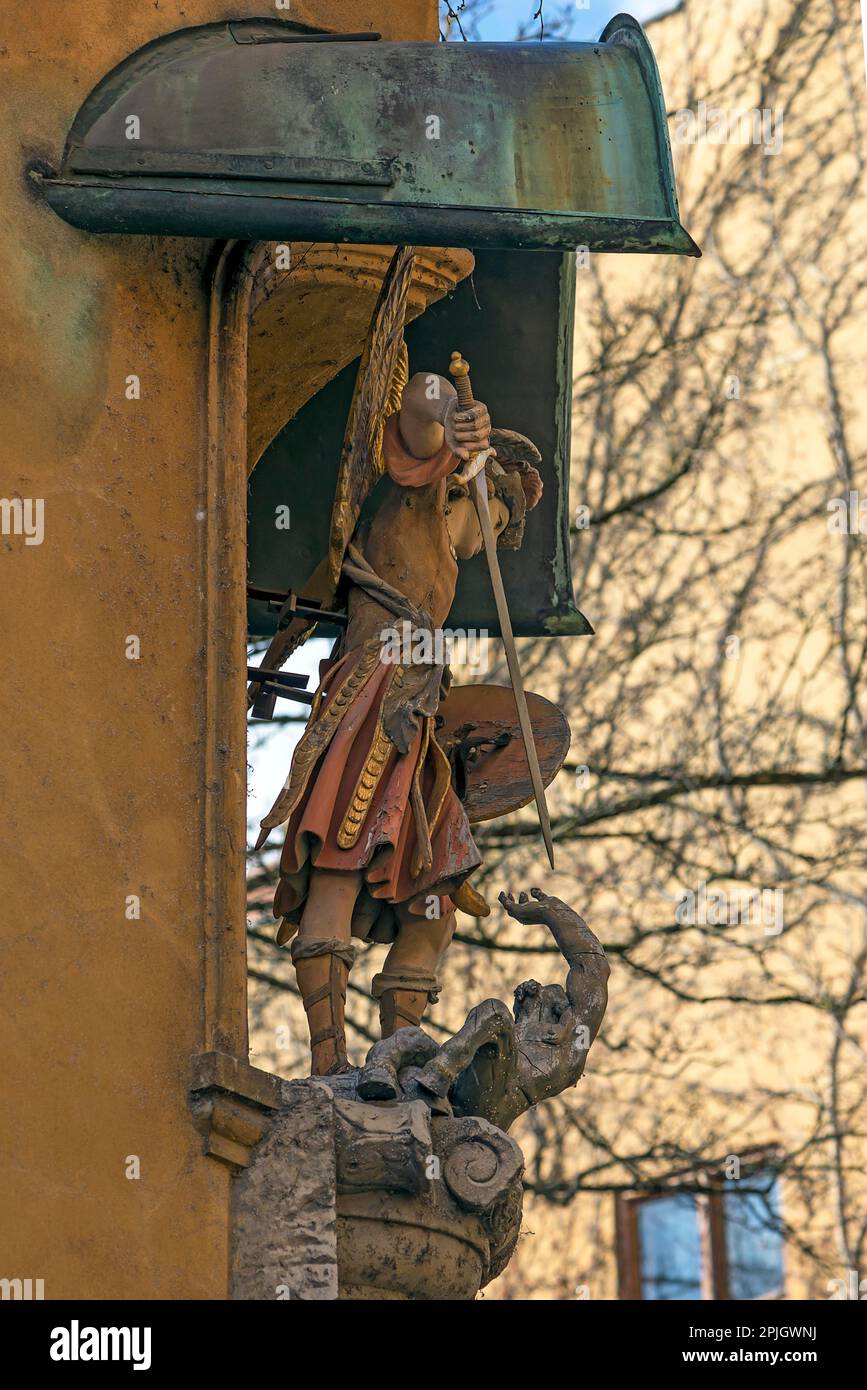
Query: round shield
{"x": 478, "y": 730}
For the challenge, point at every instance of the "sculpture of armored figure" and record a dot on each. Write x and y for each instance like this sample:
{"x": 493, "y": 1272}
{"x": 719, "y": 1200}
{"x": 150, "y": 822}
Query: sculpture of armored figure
{"x": 378, "y": 846}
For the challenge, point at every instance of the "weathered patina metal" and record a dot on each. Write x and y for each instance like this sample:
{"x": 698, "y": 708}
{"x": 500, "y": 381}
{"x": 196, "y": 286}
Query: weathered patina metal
{"x": 256, "y": 129}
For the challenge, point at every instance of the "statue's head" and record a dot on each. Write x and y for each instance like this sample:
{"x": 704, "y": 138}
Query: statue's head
{"x": 538, "y": 1010}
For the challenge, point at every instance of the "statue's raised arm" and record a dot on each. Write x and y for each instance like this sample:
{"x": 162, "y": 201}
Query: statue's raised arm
{"x": 557, "y": 1027}
{"x": 501, "y": 1063}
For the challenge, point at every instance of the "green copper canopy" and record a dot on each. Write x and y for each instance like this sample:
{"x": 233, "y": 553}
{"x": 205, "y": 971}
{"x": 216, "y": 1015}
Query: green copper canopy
{"x": 260, "y": 129}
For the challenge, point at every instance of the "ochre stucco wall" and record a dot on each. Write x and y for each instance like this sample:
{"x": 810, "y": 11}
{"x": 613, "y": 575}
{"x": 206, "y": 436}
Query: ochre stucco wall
{"x": 101, "y": 756}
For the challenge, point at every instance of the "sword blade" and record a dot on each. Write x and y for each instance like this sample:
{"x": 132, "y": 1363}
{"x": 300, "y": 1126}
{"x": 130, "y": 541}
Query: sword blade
{"x": 479, "y": 493}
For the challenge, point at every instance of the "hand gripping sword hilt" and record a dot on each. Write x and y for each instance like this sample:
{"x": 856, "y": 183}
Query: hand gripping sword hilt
{"x": 459, "y": 368}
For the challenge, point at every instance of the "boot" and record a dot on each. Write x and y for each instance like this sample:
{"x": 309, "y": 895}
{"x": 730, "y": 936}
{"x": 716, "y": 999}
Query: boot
{"x": 322, "y": 970}
{"x": 400, "y": 1008}
{"x": 403, "y": 997}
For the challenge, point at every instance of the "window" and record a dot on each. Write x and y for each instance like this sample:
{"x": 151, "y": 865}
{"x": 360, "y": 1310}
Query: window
{"x": 754, "y": 1247}
{"x": 722, "y": 1243}
{"x": 669, "y": 1247}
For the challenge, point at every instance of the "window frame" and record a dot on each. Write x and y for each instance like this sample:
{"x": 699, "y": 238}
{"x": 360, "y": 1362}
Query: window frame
{"x": 710, "y": 1188}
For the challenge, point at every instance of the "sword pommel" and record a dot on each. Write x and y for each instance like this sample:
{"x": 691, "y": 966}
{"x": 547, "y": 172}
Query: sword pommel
{"x": 459, "y": 368}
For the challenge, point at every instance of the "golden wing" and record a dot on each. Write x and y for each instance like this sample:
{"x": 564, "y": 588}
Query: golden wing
{"x": 382, "y": 374}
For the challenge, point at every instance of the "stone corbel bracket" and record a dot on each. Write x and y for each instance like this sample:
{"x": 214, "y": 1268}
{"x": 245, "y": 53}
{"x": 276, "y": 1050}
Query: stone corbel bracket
{"x": 345, "y": 1199}
{"x": 232, "y": 1105}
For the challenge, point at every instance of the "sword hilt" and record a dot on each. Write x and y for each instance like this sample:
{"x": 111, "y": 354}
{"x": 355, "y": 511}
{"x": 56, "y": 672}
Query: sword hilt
{"x": 459, "y": 369}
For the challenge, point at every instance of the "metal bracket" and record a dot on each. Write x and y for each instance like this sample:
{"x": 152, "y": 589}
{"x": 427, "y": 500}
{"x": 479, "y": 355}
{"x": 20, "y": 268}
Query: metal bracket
{"x": 285, "y": 685}
{"x": 288, "y": 605}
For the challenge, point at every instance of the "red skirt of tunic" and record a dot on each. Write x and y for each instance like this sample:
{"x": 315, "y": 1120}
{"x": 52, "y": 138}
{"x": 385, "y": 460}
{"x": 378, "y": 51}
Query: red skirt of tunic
{"x": 387, "y": 843}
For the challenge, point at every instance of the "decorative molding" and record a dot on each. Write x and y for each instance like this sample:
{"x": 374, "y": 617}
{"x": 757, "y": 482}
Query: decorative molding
{"x": 223, "y": 515}
{"x": 232, "y": 1104}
